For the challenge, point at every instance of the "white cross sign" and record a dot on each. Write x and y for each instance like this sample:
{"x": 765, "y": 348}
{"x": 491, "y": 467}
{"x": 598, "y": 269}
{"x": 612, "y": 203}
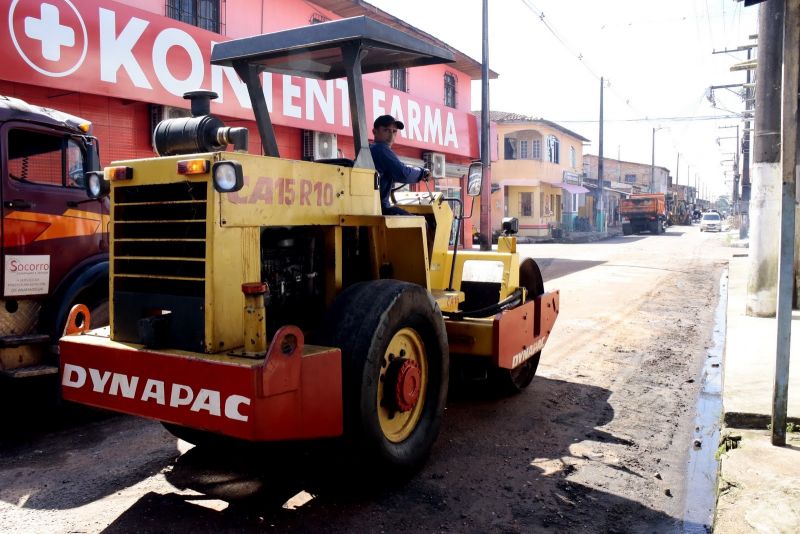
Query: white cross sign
{"x": 50, "y": 32}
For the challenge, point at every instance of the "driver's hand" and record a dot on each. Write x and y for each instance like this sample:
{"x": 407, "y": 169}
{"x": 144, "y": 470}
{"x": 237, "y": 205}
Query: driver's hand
{"x": 426, "y": 174}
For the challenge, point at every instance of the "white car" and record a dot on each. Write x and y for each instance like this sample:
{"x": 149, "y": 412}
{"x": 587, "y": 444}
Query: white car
{"x": 711, "y": 222}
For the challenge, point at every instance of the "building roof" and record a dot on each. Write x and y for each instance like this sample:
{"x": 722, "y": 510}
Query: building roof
{"x": 508, "y": 117}
{"x": 354, "y": 8}
{"x": 605, "y": 159}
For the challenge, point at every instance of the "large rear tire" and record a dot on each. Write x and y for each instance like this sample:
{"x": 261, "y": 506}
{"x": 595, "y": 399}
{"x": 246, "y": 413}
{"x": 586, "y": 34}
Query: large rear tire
{"x": 395, "y": 369}
{"x": 627, "y": 229}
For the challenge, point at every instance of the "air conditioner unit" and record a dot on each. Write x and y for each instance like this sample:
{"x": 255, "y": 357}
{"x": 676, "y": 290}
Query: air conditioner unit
{"x": 160, "y": 113}
{"x": 435, "y": 162}
{"x": 324, "y": 145}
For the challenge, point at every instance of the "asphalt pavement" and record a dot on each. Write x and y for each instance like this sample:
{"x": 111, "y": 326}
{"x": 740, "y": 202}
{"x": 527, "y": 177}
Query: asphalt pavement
{"x": 758, "y": 482}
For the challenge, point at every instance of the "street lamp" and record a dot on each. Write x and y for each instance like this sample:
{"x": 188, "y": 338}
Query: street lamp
{"x": 653, "y": 161}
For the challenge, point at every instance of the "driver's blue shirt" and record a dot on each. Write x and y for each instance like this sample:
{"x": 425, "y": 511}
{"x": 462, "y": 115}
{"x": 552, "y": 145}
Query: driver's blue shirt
{"x": 392, "y": 170}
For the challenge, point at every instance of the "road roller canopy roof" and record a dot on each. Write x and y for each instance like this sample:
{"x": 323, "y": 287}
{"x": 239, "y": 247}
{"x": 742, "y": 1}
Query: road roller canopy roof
{"x": 347, "y": 47}
{"x": 319, "y": 50}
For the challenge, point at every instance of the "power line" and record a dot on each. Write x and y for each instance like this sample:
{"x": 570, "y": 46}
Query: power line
{"x": 651, "y": 119}
{"x": 579, "y": 56}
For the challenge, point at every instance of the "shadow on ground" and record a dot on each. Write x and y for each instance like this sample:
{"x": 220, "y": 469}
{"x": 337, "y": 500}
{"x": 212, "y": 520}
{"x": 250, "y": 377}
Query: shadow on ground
{"x": 499, "y": 465}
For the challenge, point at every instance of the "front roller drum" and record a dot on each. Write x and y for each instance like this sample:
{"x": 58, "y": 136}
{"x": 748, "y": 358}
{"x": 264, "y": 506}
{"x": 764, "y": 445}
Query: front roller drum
{"x": 512, "y": 381}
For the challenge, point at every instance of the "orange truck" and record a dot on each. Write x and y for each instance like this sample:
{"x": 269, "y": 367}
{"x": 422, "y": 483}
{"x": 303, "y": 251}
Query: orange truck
{"x": 55, "y": 243}
{"x": 644, "y": 212}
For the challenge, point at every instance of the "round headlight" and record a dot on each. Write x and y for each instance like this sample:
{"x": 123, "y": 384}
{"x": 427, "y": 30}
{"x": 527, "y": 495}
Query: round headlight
{"x": 96, "y": 184}
{"x": 228, "y": 176}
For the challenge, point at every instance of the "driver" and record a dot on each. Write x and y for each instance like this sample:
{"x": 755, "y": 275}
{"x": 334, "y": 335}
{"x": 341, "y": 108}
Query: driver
{"x": 390, "y": 168}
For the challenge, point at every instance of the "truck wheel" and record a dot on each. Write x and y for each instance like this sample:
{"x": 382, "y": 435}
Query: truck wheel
{"x": 98, "y": 313}
{"x": 395, "y": 368}
{"x": 626, "y": 229}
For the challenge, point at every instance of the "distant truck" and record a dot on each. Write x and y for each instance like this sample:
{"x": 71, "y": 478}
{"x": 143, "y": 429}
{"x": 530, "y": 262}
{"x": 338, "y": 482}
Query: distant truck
{"x": 644, "y": 212}
{"x": 54, "y": 241}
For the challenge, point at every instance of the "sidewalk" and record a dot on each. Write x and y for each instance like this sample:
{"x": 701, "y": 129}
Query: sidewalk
{"x": 759, "y": 484}
{"x": 574, "y": 237}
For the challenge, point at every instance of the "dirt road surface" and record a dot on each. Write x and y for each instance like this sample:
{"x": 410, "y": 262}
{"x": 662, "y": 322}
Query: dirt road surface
{"x": 597, "y": 443}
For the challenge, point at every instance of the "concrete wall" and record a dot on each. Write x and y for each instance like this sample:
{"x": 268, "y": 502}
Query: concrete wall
{"x": 616, "y": 171}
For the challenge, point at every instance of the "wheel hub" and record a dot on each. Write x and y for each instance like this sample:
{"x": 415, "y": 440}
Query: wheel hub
{"x": 406, "y": 377}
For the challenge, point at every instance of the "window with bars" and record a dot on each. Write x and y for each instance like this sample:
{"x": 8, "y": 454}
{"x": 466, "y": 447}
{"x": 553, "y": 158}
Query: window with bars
{"x": 526, "y": 204}
{"x": 630, "y": 178}
{"x": 399, "y": 78}
{"x": 523, "y": 149}
{"x": 450, "y": 89}
{"x": 536, "y": 149}
{"x": 201, "y": 13}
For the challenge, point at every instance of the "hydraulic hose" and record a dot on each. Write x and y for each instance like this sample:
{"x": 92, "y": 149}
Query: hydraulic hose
{"x": 511, "y": 301}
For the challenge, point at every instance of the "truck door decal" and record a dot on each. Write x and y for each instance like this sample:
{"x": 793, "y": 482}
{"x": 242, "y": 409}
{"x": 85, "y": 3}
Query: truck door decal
{"x": 22, "y": 228}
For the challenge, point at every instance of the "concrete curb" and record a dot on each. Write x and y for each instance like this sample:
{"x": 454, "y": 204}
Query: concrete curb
{"x": 757, "y": 484}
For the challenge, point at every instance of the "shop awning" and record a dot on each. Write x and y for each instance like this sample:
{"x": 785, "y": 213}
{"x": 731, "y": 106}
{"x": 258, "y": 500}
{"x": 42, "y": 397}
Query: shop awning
{"x": 572, "y": 188}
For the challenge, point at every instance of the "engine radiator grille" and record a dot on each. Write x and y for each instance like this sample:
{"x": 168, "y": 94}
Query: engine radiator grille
{"x": 159, "y": 264}
{"x": 159, "y": 238}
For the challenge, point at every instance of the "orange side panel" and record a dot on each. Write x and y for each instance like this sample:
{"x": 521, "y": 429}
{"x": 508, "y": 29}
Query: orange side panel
{"x": 521, "y": 332}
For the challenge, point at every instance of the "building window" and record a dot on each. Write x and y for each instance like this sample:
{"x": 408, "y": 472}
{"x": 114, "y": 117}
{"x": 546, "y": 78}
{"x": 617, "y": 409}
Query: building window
{"x": 523, "y": 149}
{"x": 572, "y": 161}
{"x": 553, "y": 149}
{"x": 630, "y": 178}
{"x": 398, "y": 79}
{"x": 509, "y": 148}
{"x": 536, "y": 149}
{"x": 317, "y": 18}
{"x": 201, "y": 13}
{"x": 525, "y": 204}
{"x": 450, "y": 90}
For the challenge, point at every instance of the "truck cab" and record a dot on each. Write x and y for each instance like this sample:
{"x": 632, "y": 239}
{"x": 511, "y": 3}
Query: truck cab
{"x": 54, "y": 241}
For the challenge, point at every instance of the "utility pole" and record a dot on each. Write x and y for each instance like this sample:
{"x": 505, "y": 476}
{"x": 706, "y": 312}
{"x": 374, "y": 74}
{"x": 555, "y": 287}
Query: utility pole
{"x": 791, "y": 60}
{"x": 486, "y": 192}
{"x": 735, "y": 197}
{"x": 653, "y": 164}
{"x": 599, "y": 225}
{"x": 762, "y": 280}
{"x": 748, "y": 105}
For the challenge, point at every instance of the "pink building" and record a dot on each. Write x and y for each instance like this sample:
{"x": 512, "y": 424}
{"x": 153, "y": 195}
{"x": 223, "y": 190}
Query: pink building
{"x": 125, "y": 65}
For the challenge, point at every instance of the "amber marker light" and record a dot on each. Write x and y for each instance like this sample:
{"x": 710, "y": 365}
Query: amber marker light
{"x": 119, "y": 173}
{"x": 193, "y": 166}
{"x": 85, "y": 126}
